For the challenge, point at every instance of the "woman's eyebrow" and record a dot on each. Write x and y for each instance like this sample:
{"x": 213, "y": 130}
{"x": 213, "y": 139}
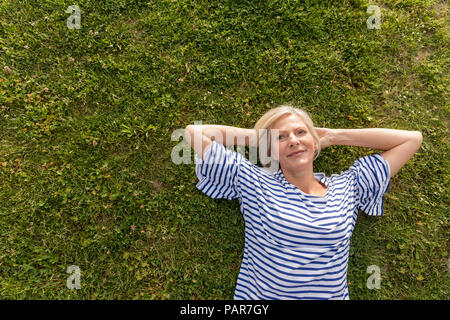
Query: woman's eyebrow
{"x": 295, "y": 129}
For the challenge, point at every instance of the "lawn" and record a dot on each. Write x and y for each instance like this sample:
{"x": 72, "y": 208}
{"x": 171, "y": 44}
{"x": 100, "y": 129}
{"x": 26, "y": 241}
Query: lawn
{"x": 87, "y": 116}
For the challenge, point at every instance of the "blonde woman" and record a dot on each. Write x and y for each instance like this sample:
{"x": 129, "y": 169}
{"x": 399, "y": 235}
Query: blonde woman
{"x": 298, "y": 223}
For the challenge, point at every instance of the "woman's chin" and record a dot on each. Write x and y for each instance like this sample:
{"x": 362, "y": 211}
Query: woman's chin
{"x": 297, "y": 163}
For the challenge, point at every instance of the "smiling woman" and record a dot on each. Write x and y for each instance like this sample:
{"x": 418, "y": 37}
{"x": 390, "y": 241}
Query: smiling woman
{"x": 294, "y": 144}
{"x": 298, "y": 223}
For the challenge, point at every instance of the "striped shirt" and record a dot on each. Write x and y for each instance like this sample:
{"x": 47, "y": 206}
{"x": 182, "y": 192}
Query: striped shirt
{"x": 296, "y": 244}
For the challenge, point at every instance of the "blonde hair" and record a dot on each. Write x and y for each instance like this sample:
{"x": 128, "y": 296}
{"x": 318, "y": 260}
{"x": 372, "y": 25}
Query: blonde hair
{"x": 266, "y": 121}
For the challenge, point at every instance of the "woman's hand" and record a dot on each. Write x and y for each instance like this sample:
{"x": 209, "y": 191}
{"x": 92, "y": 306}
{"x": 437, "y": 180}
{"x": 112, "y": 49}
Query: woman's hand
{"x": 325, "y": 136}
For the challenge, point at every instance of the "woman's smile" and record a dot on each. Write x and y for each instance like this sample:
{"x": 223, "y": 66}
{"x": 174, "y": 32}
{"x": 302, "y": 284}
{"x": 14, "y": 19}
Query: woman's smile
{"x": 296, "y": 153}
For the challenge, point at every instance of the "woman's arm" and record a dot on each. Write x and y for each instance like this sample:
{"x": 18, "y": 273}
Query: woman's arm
{"x": 200, "y": 137}
{"x": 399, "y": 145}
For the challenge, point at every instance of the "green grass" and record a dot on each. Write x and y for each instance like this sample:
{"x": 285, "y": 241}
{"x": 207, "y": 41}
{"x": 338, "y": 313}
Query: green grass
{"x": 87, "y": 114}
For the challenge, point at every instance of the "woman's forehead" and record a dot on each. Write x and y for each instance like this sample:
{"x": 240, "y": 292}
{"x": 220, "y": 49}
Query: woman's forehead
{"x": 289, "y": 122}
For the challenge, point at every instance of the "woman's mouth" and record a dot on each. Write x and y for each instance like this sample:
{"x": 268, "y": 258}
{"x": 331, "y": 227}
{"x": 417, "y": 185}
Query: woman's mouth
{"x": 296, "y": 153}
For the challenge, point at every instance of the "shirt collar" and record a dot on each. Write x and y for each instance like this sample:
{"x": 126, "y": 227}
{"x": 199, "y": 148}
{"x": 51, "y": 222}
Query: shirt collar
{"x": 320, "y": 176}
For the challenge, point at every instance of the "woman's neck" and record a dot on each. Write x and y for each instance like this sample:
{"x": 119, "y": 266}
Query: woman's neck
{"x": 304, "y": 180}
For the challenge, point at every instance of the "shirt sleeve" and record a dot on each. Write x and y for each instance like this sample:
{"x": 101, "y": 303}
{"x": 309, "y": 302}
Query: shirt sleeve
{"x": 373, "y": 181}
{"x": 218, "y": 172}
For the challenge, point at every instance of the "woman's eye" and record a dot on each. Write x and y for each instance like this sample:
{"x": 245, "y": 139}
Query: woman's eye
{"x": 281, "y": 136}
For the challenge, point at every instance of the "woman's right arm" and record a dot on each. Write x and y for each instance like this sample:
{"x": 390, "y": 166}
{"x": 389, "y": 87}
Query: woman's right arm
{"x": 200, "y": 137}
{"x": 399, "y": 145}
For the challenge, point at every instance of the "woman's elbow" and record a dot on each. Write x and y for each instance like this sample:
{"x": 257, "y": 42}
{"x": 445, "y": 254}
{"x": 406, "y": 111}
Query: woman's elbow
{"x": 188, "y": 134}
{"x": 418, "y": 136}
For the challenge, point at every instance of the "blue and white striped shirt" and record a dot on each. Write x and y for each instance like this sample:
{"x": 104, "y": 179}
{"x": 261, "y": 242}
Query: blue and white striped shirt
{"x": 296, "y": 244}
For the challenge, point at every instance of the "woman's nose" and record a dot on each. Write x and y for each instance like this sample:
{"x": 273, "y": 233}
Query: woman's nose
{"x": 293, "y": 139}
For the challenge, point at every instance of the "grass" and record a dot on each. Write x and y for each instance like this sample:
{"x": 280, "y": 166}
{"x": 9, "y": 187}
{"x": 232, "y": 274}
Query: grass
{"x": 87, "y": 115}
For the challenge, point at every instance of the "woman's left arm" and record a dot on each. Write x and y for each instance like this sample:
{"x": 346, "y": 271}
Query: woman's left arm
{"x": 399, "y": 145}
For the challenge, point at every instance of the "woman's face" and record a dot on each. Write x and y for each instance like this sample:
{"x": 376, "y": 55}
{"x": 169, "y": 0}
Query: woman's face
{"x": 292, "y": 136}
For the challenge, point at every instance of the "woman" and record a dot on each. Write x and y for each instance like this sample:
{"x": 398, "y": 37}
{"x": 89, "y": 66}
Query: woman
{"x": 298, "y": 223}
